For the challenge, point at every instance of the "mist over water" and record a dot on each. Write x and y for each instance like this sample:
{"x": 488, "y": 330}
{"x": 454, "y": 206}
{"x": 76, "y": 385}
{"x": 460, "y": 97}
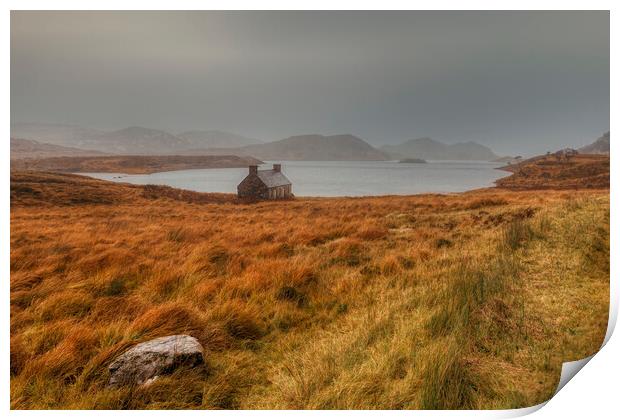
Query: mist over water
{"x": 336, "y": 179}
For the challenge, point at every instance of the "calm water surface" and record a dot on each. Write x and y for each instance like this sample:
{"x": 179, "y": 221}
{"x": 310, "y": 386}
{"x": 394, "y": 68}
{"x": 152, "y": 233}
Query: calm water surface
{"x": 334, "y": 179}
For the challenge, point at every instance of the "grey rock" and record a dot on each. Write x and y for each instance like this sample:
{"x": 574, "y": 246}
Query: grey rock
{"x": 146, "y": 361}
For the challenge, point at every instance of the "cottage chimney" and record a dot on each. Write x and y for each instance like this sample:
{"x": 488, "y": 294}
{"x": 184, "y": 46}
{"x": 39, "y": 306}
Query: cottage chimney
{"x": 277, "y": 167}
{"x": 253, "y": 169}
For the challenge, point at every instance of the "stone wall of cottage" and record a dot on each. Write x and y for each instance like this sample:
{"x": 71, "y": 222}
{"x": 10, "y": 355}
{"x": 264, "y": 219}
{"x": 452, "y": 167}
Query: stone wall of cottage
{"x": 253, "y": 187}
{"x": 283, "y": 191}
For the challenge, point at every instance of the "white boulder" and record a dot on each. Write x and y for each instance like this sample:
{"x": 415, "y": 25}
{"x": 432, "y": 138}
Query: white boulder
{"x": 145, "y": 361}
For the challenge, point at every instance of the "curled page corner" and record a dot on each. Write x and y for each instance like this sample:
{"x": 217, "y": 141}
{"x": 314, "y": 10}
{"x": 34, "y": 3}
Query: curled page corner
{"x": 569, "y": 370}
{"x": 613, "y": 313}
{"x": 521, "y": 412}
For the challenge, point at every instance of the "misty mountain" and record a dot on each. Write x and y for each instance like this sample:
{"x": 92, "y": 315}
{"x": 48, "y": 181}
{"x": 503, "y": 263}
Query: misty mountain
{"x": 131, "y": 140}
{"x": 311, "y": 147}
{"x": 58, "y": 134}
{"x": 429, "y": 149}
{"x": 22, "y": 148}
{"x": 202, "y": 139}
{"x": 149, "y": 141}
{"x": 140, "y": 140}
{"x": 599, "y": 147}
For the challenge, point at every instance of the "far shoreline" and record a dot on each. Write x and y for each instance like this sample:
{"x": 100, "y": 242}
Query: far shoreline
{"x": 324, "y": 189}
{"x": 284, "y": 162}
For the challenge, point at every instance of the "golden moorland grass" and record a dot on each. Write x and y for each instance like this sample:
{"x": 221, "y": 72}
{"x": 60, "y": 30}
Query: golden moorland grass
{"x": 469, "y": 300}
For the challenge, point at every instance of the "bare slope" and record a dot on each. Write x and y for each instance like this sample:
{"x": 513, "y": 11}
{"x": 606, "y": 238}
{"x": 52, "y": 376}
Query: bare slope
{"x": 429, "y": 149}
{"x": 22, "y": 148}
{"x": 206, "y": 139}
{"x": 599, "y": 147}
{"x": 131, "y": 164}
{"x": 549, "y": 172}
{"x": 58, "y": 134}
{"x": 130, "y": 140}
{"x": 312, "y": 147}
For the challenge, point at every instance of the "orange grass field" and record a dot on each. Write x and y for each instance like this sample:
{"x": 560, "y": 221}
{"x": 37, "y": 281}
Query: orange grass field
{"x": 469, "y": 300}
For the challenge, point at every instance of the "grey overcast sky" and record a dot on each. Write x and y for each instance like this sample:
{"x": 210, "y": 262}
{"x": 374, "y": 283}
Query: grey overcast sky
{"x": 519, "y": 82}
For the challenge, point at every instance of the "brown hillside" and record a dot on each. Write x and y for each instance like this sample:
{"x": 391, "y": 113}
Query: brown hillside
{"x": 22, "y": 149}
{"x": 130, "y": 164}
{"x": 34, "y": 188}
{"x": 550, "y": 172}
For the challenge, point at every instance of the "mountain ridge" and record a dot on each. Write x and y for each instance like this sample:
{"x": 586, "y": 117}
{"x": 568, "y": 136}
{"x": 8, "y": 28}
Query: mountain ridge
{"x": 339, "y": 147}
{"x": 429, "y": 149}
{"x": 216, "y": 138}
{"x": 130, "y": 140}
{"x": 136, "y": 140}
{"x": 23, "y": 148}
{"x": 599, "y": 147}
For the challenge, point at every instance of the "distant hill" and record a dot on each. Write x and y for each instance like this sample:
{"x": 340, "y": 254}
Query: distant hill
{"x": 599, "y": 147}
{"x": 429, "y": 149}
{"x": 206, "y": 139}
{"x": 22, "y": 148}
{"x": 508, "y": 159}
{"x": 311, "y": 147}
{"x": 140, "y": 140}
{"x": 37, "y": 189}
{"x": 131, "y": 140}
{"x": 130, "y": 164}
{"x": 552, "y": 172}
{"x": 58, "y": 134}
{"x": 149, "y": 141}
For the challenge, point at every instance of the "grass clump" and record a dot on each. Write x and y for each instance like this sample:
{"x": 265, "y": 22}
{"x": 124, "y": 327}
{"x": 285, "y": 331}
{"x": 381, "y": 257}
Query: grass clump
{"x": 450, "y": 381}
{"x": 288, "y": 293}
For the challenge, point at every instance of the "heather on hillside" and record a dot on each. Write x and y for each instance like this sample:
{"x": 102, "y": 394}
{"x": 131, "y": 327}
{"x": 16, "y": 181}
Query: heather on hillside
{"x": 558, "y": 172}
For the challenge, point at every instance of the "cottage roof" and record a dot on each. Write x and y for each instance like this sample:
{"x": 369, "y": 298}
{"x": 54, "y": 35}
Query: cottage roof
{"x": 273, "y": 178}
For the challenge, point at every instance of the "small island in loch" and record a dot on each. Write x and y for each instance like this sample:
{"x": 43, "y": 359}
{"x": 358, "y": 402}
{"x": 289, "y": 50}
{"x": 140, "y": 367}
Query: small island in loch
{"x": 412, "y": 160}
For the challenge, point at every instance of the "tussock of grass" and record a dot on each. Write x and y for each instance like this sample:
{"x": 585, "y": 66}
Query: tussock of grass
{"x": 472, "y": 288}
{"x": 450, "y": 383}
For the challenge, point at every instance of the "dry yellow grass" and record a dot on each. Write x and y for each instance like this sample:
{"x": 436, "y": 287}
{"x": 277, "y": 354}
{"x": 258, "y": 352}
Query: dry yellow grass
{"x": 431, "y": 301}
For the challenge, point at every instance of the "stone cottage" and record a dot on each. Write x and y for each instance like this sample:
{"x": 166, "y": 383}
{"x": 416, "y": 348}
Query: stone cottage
{"x": 268, "y": 184}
